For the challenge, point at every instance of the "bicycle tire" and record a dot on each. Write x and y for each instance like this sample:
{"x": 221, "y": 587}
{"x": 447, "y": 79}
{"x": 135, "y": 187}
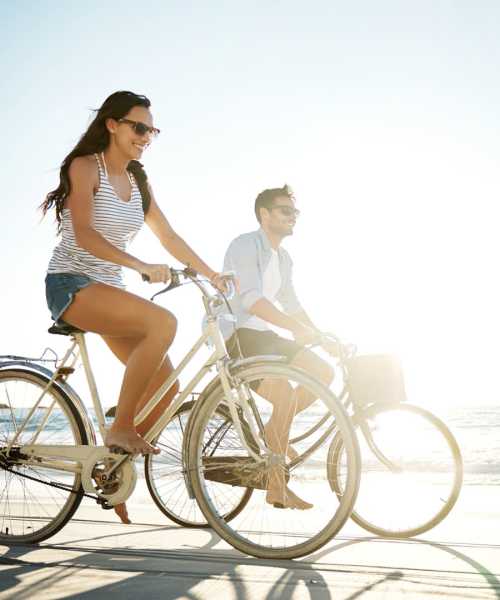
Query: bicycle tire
{"x": 40, "y": 511}
{"x": 444, "y": 463}
{"x": 295, "y": 538}
{"x": 165, "y": 476}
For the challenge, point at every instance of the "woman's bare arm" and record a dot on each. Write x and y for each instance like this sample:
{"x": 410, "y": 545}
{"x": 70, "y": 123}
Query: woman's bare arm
{"x": 173, "y": 242}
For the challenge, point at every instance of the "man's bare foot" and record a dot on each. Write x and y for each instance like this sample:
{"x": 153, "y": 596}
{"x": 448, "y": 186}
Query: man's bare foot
{"x": 279, "y": 494}
{"x": 122, "y": 512}
{"x": 286, "y": 499}
{"x": 130, "y": 441}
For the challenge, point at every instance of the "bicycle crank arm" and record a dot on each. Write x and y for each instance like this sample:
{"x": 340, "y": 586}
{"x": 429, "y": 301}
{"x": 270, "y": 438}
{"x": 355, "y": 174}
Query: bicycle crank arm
{"x": 85, "y": 459}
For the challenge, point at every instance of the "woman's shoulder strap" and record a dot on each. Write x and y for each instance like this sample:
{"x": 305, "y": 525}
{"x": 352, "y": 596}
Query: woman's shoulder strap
{"x": 100, "y": 166}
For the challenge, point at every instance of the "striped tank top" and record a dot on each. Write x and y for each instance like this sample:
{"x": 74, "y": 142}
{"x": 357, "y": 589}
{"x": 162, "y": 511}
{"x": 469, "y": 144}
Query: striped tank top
{"x": 114, "y": 219}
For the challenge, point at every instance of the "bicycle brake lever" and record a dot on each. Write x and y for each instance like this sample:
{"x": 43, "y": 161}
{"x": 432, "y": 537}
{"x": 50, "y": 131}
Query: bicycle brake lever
{"x": 190, "y": 272}
{"x": 174, "y": 282}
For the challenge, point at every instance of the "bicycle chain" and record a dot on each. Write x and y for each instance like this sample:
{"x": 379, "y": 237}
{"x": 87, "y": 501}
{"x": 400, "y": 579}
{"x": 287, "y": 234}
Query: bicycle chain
{"x": 60, "y": 486}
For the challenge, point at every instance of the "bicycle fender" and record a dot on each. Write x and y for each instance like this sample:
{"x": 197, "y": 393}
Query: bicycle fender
{"x": 62, "y": 387}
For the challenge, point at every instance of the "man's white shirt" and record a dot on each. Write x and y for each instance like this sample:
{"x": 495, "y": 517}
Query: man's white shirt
{"x": 271, "y": 283}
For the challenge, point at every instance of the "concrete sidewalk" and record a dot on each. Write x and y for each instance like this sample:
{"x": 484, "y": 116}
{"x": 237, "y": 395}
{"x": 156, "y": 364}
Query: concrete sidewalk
{"x": 96, "y": 558}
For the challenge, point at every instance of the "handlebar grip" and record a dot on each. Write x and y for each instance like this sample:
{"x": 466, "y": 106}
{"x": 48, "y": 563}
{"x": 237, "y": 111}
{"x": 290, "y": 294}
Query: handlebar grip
{"x": 229, "y": 280}
{"x": 231, "y": 289}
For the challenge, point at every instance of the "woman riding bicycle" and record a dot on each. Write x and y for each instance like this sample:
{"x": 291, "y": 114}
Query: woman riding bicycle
{"x": 102, "y": 201}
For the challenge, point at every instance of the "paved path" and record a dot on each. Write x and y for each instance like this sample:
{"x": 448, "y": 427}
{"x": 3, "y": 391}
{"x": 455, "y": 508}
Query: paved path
{"x": 92, "y": 558}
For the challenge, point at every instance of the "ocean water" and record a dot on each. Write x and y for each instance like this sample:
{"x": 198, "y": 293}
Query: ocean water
{"x": 477, "y": 430}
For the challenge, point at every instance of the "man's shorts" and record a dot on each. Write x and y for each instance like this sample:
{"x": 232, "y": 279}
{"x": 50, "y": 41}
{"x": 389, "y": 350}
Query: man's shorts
{"x": 257, "y": 343}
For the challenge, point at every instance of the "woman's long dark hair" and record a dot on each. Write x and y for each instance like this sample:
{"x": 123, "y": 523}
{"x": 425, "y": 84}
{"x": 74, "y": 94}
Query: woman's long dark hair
{"x": 96, "y": 140}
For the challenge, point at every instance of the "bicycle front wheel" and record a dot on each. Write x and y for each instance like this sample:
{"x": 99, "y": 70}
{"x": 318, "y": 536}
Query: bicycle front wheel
{"x": 31, "y": 507}
{"x": 267, "y": 528}
{"x": 166, "y": 474}
{"x": 420, "y": 480}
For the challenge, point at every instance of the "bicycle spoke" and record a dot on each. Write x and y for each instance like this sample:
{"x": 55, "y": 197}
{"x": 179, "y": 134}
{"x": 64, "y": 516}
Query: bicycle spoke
{"x": 260, "y": 528}
{"x": 30, "y": 508}
{"x": 421, "y": 482}
{"x": 165, "y": 473}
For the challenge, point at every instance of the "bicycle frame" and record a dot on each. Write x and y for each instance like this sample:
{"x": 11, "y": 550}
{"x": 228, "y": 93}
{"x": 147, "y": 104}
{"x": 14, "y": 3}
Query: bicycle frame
{"x": 357, "y": 416}
{"x": 81, "y": 458}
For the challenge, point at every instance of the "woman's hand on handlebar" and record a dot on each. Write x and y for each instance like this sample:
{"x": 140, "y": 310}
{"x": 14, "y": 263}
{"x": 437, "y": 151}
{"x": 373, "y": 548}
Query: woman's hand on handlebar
{"x": 154, "y": 273}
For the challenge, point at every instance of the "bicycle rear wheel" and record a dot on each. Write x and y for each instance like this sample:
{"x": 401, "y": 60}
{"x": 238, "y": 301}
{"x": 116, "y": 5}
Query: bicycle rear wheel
{"x": 31, "y": 510}
{"x": 166, "y": 473}
{"x": 262, "y": 529}
{"x": 426, "y": 475}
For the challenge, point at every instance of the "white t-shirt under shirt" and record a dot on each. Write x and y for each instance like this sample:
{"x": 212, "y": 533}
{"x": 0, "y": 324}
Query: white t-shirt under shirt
{"x": 271, "y": 284}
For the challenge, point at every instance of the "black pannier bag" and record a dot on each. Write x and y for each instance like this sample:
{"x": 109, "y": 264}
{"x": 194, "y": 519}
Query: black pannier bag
{"x": 375, "y": 379}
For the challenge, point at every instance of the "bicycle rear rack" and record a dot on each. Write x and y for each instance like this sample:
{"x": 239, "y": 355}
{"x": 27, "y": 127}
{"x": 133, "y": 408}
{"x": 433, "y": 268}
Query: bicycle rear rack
{"x": 28, "y": 359}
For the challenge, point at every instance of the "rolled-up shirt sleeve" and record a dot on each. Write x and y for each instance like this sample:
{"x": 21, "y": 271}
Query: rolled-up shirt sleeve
{"x": 287, "y": 296}
{"x": 242, "y": 258}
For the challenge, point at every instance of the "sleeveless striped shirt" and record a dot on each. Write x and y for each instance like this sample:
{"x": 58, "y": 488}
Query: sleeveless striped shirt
{"x": 114, "y": 219}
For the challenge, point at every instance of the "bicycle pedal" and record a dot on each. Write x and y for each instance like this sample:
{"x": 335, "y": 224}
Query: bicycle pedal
{"x": 103, "y": 503}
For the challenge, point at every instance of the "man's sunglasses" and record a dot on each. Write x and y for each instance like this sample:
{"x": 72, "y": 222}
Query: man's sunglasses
{"x": 140, "y": 128}
{"x": 287, "y": 211}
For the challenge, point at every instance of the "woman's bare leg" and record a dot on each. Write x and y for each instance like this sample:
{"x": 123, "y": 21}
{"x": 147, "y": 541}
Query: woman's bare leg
{"x": 115, "y": 313}
{"x": 122, "y": 348}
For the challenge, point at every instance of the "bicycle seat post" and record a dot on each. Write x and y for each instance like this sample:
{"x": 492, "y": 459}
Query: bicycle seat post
{"x": 82, "y": 346}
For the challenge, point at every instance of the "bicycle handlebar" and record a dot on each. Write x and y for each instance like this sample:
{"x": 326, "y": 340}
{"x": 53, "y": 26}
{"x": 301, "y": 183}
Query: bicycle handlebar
{"x": 192, "y": 275}
{"x": 342, "y": 351}
{"x": 174, "y": 276}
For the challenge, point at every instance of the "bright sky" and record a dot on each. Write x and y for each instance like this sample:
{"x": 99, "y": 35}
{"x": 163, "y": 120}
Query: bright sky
{"x": 382, "y": 116}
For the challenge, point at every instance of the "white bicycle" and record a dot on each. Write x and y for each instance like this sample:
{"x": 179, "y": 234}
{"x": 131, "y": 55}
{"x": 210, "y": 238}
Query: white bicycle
{"x": 411, "y": 467}
{"x": 49, "y": 459}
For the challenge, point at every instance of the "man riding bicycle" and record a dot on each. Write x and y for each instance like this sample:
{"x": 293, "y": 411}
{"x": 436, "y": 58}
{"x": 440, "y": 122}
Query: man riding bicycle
{"x": 264, "y": 271}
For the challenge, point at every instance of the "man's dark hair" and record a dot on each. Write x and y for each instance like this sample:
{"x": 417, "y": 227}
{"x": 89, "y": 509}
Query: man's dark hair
{"x": 266, "y": 198}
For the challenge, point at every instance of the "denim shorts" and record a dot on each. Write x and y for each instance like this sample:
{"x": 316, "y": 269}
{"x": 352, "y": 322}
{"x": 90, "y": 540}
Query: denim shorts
{"x": 60, "y": 289}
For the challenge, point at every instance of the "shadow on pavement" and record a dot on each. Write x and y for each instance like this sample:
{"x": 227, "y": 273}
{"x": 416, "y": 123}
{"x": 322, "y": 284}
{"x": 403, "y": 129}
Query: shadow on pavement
{"x": 152, "y": 572}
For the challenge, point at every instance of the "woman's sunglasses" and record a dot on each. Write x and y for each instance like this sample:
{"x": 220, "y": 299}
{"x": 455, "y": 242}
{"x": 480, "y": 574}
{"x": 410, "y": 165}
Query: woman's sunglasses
{"x": 287, "y": 211}
{"x": 140, "y": 128}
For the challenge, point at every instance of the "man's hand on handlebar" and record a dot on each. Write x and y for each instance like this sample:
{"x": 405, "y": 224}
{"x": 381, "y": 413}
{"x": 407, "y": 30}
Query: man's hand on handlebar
{"x": 305, "y": 335}
{"x": 331, "y": 346}
{"x": 308, "y": 336}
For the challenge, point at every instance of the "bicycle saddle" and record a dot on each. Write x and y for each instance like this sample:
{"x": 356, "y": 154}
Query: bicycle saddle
{"x": 63, "y": 328}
